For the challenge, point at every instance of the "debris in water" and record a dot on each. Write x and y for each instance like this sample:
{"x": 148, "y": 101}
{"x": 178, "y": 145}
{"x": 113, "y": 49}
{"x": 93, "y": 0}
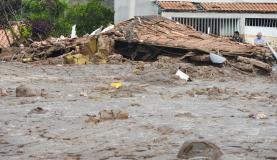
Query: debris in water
{"x": 199, "y": 150}
{"x": 38, "y": 110}
{"x": 258, "y": 116}
{"x": 84, "y": 93}
{"x": 3, "y": 92}
{"x": 108, "y": 115}
{"x": 116, "y": 85}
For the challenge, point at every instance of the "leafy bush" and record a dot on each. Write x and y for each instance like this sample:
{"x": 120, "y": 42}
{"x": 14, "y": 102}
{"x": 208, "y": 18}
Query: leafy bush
{"x": 25, "y": 30}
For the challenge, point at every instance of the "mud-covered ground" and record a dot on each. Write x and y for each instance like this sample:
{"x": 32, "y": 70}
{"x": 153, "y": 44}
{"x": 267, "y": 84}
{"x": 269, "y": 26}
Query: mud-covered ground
{"x": 164, "y": 113}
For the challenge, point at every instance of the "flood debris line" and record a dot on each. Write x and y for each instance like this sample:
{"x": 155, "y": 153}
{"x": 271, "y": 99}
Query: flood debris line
{"x": 199, "y": 150}
{"x": 147, "y": 37}
{"x": 105, "y": 115}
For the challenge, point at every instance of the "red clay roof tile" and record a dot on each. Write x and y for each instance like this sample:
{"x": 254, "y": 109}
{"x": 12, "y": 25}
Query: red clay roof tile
{"x": 220, "y": 7}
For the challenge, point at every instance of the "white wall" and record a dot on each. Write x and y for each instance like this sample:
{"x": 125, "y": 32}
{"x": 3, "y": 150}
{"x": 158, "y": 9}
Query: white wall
{"x": 121, "y": 10}
{"x": 126, "y": 9}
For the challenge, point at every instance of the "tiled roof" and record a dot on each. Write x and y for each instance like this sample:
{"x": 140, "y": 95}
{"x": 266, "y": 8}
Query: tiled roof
{"x": 181, "y": 6}
{"x": 219, "y": 7}
{"x": 241, "y": 7}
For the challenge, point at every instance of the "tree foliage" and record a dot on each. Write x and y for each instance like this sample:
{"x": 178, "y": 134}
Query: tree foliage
{"x": 56, "y": 17}
{"x": 43, "y": 15}
{"x": 89, "y": 16}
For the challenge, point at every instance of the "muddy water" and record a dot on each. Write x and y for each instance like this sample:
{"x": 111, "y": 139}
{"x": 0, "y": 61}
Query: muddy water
{"x": 163, "y": 114}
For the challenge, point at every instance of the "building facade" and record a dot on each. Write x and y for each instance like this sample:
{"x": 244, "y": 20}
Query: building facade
{"x": 219, "y": 17}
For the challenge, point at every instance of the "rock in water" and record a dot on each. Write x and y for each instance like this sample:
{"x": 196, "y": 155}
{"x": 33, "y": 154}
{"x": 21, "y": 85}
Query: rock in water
{"x": 26, "y": 91}
{"x": 3, "y": 92}
{"x": 199, "y": 150}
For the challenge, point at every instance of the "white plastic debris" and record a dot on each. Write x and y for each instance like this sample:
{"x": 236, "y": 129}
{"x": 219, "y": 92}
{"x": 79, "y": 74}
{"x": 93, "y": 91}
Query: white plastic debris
{"x": 108, "y": 28}
{"x": 258, "y": 116}
{"x": 73, "y": 32}
{"x": 84, "y": 94}
{"x": 97, "y": 31}
{"x": 182, "y": 75}
{"x": 21, "y": 46}
{"x": 261, "y": 116}
{"x": 62, "y": 37}
{"x": 272, "y": 51}
{"x": 216, "y": 59}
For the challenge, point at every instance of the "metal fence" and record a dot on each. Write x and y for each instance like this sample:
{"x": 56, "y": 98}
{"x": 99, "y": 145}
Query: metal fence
{"x": 217, "y": 26}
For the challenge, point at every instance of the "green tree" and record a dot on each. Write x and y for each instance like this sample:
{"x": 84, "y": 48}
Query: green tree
{"x": 43, "y": 15}
{"x": 89, "y": 16}
{"x": 56, "y": 17}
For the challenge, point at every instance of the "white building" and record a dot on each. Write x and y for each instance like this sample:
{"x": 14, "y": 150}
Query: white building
{"x": 220, "y": 17}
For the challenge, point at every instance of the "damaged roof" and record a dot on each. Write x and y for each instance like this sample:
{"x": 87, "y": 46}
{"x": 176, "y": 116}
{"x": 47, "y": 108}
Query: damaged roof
{"x": 160, "y": 31}
{"x": 218, "y": 7}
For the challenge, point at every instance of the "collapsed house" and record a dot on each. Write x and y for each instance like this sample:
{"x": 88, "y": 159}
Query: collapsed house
{"x": 146, "y": 37}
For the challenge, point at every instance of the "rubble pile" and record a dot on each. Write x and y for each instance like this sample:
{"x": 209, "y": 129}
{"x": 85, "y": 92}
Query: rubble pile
{"x": 81, "y": 50}
{"x": 147, "y": 37}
